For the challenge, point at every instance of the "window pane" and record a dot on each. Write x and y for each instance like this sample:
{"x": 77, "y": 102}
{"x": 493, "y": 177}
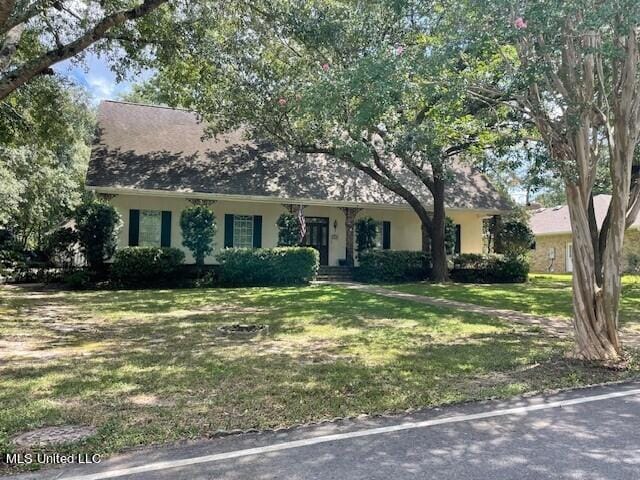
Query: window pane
{"x": 378, "y": 240}
{"x": 150, "y": 228}
{"x": 243, "y": 231}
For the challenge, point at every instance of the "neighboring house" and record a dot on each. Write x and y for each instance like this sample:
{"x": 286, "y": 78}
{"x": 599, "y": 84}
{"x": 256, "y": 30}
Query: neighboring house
{"x": 152, "y": 162}
{"x": 553, "y": 251}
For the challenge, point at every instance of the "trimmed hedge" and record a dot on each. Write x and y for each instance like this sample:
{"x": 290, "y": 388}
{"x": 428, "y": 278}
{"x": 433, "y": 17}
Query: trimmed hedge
{"x": 475, "y": 268}
{"x": 376, "y": 266}
{"x": 268, "y": 266}
{"x": 141, "y": 266}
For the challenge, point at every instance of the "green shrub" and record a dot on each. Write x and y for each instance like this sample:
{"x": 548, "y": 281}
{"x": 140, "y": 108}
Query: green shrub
{"x": 60, "y": 246}
{"x": 475, "y": 268}
{"x": 366, "y": 231}
{"x": 198, "y": 225}
{"x": 78, "y": 280}
{"x": 97, "y": 224}
{"x": 377, "y": 266}
{"x": 268, "y": 266}
{"x": 516, "y": 238}
{"x": 289, "y": 231}
{"x": 142, "y": 266}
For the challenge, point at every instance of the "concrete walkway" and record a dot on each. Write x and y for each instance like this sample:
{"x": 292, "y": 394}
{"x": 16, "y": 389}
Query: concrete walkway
{"x": 556, "y": 326}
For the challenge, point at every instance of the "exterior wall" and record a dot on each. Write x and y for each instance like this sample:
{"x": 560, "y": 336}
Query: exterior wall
{"x": 540, "y": 261}
{"x": 405, "y": 227}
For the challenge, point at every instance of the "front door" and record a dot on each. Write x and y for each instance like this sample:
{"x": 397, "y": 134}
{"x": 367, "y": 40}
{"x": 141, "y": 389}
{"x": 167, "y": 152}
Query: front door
{"x": 569, "y": 258}
{"x": 317, "y": 236}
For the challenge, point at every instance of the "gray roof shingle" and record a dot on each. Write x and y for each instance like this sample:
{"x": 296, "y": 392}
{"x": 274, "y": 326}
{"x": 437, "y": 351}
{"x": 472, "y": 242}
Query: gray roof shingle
{"x": 159, "y": 148}
{"x": 555, "y": 220}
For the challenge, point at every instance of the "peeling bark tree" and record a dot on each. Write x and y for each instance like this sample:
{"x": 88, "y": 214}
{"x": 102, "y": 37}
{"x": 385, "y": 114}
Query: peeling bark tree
{"x": 61, "y": 27}
{"x": 583, "y": 96}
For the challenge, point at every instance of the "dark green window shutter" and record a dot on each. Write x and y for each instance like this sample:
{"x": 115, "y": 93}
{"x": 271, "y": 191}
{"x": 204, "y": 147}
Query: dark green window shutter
{"x": 386, "y": 235}
{"x": 257, "y": 231}
{"x": 457, "y": 248}
{"x": 228, "y": 230}
{"x": 165, "y": 233}
{"x": 134, "y": 228}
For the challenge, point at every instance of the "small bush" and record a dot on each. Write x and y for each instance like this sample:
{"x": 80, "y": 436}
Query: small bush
{"x": 97, "y": 224}
{"x": 392, "y": 266}
{"x": 78, "y": 280}
{"x": 289, "y": 230}
{"x": 142, "y": 266}
{"x": 475, "y": 268}
{"x": 198, "y": 225}
{"x": 268, "y": 266}
{"x": 366, "y": 231}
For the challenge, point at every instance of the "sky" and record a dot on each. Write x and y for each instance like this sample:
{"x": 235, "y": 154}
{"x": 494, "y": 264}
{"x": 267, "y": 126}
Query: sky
{"x": 94, "y": 74}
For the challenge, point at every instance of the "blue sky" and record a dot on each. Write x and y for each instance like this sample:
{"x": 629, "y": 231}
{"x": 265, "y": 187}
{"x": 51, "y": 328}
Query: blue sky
{"x": 94, "y": 74}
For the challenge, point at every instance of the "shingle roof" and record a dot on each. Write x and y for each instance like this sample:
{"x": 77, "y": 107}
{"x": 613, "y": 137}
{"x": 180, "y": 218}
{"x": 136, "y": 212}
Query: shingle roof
{"x": 159, "y": 148}
{"x": 555, "y": 220}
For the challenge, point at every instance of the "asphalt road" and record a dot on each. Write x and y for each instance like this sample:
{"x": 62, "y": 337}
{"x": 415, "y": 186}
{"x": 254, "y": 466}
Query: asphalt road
{"x": 584, "y": 434}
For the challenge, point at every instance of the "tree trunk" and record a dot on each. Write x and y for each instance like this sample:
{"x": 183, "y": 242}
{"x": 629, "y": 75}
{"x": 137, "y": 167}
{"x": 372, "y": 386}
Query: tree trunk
{"x": 596, "y": 335}
{"x": 438, "y": 246}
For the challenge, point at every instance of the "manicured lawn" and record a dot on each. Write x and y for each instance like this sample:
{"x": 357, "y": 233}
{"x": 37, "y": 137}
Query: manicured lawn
{"x": 150, "y": 366}
{"x": 549, "y": 295}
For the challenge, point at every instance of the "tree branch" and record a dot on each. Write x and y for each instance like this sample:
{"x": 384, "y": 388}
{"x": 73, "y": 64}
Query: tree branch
{"x": 22, "y": 74}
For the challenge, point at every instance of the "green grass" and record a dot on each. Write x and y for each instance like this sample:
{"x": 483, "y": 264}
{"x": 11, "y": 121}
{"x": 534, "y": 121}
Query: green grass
{"x": 150, "y": 366}
{"x": 547, "y": 295}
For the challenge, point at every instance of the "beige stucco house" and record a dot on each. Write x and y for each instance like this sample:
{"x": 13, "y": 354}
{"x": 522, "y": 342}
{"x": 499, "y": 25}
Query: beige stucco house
{"x": 151, "y": 162}
{"x": 553, "y": 251}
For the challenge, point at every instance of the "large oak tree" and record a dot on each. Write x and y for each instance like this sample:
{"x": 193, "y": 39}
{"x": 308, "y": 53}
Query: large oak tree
{"x": 367, "y": 83}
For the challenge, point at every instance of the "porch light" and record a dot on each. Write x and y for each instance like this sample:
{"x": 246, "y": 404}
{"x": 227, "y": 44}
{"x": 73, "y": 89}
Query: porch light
{"x": 335, "y": 225}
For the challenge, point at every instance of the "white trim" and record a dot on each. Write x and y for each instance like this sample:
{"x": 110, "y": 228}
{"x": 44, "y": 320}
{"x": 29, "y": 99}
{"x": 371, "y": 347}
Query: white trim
{"x": 261, "y": 199}
{"x": 185, "y": 462}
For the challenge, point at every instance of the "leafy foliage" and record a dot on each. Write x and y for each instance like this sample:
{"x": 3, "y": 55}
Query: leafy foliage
{"x": 476, "y": 268}
{"x": 366, "y": 231}
{"x": 288, "y": 230}
{"x": 98, "y": 224}
{"x": 60, "y": 246}
{"x": 198, "y": 225}
{"x": 268, "y": 266}
{"x": 449, "y": 236}
{"x": 376, "y": 266}
{"x": 516, "y": 238}
{"x": 145, "y": 266}
{"x": 45, "y": 131}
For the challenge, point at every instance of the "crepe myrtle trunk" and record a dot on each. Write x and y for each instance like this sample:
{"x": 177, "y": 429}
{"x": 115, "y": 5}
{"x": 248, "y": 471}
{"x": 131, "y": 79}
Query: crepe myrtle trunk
{"x": 594, "y": 303}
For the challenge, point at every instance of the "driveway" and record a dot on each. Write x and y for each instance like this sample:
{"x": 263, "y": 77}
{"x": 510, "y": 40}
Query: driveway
{"x": 582, "y": 434}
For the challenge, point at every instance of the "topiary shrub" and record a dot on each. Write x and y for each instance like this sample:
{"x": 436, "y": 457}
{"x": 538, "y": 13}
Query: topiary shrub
{"x": 97, "y": 224}
{"x": 516, "y": 238}
{"x": 288, "y": 230}
{"x": 376, "y": 266}
{"x": 366, "y": 231}
{"x": 198, "y": 225}
{"x": 268, "y": 266}
{"x": 475, "y": 268}
{"x": 146, "y": 266}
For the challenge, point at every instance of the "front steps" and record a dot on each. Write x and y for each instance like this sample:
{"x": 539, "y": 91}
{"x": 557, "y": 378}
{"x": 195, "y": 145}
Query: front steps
{"x": 335, "y": 274}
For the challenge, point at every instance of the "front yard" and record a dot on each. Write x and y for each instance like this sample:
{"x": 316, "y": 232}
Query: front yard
{"x": 151, "y": 366}
{"x": 544, "y": 294}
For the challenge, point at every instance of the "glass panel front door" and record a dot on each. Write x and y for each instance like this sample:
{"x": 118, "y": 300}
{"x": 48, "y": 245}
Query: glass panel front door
{"x": 318, "y": 237}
